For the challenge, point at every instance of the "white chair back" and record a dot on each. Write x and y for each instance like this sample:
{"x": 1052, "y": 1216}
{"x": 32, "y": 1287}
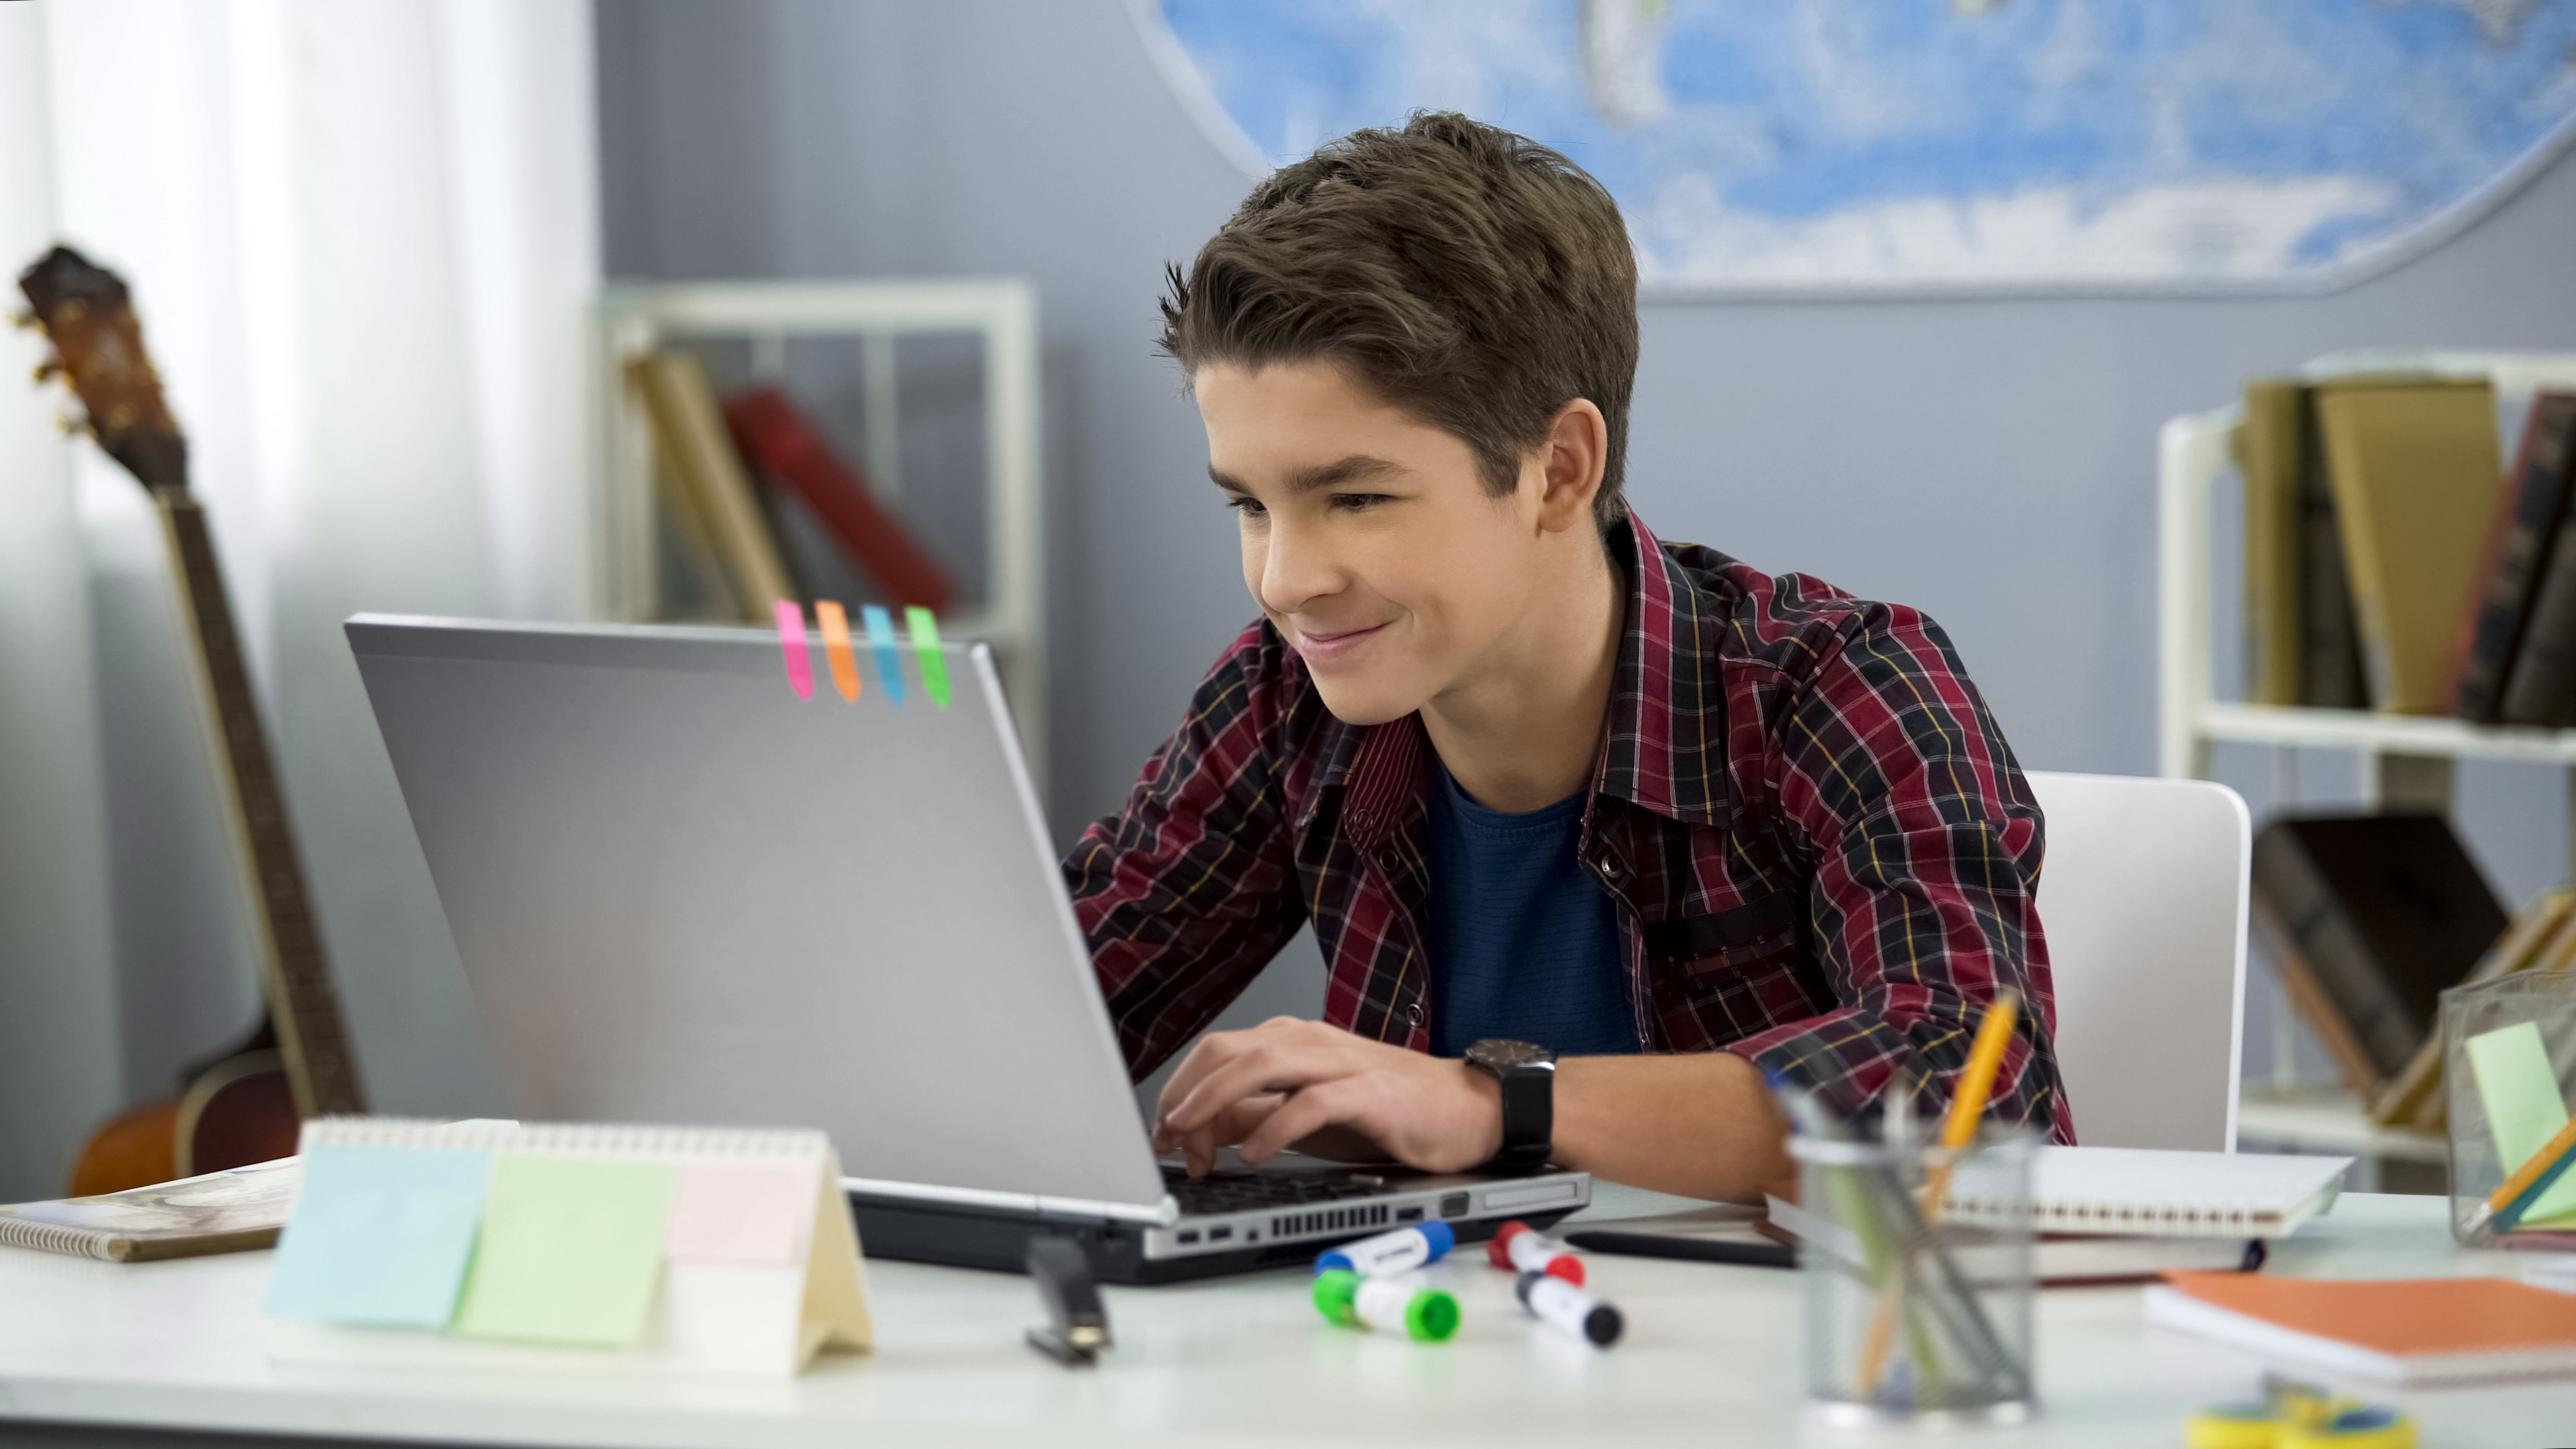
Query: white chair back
{"x": 2143, "y": 896}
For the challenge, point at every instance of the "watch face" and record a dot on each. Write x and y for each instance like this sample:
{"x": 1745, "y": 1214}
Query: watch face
{"x": 1495, "y": 1051}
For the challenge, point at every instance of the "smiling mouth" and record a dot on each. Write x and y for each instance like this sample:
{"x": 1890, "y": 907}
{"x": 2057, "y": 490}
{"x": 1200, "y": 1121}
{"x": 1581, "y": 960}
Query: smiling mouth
{"x": 1324, "y": 648}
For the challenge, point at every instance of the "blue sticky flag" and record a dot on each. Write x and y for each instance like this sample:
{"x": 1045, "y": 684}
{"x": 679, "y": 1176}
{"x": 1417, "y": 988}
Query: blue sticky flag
{"x": 881, "y": 644}
{"x": 381, "y": 1235}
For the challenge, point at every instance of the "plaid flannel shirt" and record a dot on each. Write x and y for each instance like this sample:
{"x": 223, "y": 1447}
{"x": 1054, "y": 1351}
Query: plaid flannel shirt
{"x": 1822, "y": 850}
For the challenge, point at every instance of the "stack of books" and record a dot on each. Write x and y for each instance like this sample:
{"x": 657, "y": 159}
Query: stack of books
{"x": 2393, "y": 563}
{"x": 750, "y": 492}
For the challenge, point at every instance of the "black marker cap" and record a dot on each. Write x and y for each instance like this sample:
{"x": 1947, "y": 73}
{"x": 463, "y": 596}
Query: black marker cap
{"x": 1602, "y": 1325}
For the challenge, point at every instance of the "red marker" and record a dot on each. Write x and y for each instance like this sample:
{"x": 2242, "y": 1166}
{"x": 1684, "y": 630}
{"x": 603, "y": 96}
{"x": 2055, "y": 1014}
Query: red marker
{"x": 1518, "y": 1248}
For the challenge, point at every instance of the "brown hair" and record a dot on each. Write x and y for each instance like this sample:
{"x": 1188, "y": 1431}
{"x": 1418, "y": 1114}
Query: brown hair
{"x": 1471, "y": 276}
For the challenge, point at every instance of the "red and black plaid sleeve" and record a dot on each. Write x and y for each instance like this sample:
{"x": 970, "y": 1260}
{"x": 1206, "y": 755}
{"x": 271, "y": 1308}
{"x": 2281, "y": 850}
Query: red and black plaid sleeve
{"x": 1925, "y": 844}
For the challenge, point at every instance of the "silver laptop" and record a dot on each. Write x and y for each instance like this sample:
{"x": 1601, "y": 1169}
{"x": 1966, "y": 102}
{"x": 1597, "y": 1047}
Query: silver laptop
{"x": 684, "y": 892}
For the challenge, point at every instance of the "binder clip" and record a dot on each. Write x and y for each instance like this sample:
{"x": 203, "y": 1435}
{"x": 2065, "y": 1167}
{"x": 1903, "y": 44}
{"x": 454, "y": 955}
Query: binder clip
{"x": 1078, "y": 1326}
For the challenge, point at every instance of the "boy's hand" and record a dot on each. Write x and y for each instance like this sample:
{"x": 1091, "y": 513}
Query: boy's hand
{"x": 1286, "y": 1080}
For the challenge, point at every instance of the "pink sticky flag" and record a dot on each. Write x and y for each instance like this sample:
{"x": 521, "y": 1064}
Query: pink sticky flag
{"x": 739, "y": 1212}
{"x": 791, "y": 642}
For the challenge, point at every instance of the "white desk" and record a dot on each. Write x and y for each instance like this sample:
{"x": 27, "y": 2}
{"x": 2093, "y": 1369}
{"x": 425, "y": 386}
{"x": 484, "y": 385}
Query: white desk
{"x": 1711, "y": 1357}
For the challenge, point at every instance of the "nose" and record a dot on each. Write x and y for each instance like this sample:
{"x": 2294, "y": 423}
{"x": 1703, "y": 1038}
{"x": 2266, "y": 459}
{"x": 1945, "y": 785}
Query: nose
{"x": 1297, "y": 567}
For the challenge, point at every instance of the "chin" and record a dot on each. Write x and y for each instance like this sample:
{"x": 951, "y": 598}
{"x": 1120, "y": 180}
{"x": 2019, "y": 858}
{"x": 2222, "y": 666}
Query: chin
{"x": 1364, "y": 701}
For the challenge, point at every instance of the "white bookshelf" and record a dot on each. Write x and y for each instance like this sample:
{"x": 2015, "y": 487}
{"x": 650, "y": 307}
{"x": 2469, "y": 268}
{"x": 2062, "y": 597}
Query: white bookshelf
{"x": 2405, "y": 761}
{"x": 633, "y": 320}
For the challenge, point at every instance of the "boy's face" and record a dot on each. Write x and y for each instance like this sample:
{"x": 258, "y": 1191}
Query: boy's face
{"x": 1368, "y": 537}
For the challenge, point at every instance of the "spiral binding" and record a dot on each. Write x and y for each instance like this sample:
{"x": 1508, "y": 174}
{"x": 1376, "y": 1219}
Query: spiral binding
{"x": 58, "y": 1238}
{"x": 620, "y": 1141}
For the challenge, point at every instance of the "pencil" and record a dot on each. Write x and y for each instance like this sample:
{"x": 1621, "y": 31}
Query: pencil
{"x": 2522, "y": 1190}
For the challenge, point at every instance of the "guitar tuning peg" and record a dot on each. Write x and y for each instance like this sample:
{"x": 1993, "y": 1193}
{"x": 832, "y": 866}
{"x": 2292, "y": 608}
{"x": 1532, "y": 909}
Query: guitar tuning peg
{"x": 72, "y": 427}
{"x": 48, "y": 370}
{"x": 23, "y": 319}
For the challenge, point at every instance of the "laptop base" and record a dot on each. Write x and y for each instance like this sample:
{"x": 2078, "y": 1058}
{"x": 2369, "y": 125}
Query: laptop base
{"x": 956, "y": 1236}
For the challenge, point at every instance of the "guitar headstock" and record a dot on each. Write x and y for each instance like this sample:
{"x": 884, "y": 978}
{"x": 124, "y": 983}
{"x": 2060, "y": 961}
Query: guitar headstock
{"x": 85, "y": 311}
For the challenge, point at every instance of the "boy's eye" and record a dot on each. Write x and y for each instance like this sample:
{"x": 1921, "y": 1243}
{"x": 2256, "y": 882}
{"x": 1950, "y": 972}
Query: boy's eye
{"x": 1247, "y": 505}
{"x": 1357, "y": 502}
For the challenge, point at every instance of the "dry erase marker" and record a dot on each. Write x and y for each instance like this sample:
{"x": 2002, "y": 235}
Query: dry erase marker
{"x": 1400, "y": 1251}
{"x": 1523, "y": 1249}
{"x": 1427, "y": 1315}
{"x": 1568, "y": 1309}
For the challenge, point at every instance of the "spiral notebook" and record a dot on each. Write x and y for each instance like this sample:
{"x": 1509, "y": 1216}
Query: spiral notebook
{"x": 2154, "y": 1193}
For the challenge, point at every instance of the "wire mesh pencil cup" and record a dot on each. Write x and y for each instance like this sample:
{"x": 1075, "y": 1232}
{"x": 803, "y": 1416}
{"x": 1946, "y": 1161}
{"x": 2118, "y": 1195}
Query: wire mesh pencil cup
{"x": 1916, "y": 1317}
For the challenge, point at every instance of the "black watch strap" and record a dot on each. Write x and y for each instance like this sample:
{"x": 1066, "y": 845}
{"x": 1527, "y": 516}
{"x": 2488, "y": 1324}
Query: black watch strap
{"x": 1527, "y": 1077}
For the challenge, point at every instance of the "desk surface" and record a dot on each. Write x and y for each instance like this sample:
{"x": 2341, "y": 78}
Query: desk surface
{"x": 1711, "y": 1355}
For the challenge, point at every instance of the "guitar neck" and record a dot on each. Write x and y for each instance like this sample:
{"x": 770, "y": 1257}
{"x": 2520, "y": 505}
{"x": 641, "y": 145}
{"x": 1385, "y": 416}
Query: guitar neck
{"x": 295, "y": 977}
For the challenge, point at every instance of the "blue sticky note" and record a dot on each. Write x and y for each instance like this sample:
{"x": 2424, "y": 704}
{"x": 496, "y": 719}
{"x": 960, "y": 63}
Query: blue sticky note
{"x": 381, "y": 1236}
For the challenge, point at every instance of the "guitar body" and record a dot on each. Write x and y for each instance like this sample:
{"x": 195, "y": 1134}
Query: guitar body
{"x": 239, "y": 1111}
{"x": 245, "y": 1108}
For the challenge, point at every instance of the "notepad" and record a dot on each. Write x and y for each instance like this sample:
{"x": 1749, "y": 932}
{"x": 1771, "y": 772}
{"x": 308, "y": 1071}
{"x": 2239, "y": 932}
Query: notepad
{"x": 565, "y": 1248}
{"x": 2412, "y": 1333}
{"x": 2519, "y": 1090}
{"x": 2154, "y": 1193}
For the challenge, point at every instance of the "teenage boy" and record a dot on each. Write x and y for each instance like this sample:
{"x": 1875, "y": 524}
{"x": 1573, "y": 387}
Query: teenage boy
{"x": 1595, "y": 831}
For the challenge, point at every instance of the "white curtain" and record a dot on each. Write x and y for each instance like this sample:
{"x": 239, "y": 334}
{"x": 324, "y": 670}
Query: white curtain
{"x": 362, "y": 237}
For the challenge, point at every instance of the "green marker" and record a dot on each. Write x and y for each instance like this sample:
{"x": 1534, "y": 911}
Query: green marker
{"x": 925, "y": 642}
{"x": 1427, "y": 1314}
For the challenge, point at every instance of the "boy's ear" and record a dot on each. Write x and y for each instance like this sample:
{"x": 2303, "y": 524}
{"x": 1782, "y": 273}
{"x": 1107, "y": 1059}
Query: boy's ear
{"x": 1571, "y": 462}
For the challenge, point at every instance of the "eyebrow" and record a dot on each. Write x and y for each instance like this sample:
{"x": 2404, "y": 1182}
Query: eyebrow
{"x": 1357, "y": 468}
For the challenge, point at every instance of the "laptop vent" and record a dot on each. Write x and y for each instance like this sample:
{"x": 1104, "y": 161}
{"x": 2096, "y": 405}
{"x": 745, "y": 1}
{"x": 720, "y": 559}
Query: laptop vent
{"x": 1296, "y": 1224}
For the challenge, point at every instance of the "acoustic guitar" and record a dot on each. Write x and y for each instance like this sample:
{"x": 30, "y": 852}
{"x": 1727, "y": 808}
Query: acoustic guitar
{"x": 244, "y": 1106}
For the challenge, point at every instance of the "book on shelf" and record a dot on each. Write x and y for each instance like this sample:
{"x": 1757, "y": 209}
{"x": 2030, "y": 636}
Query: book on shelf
{"x": 2540, "y": 685}
{"x": 2519, "y": 546}
{"x": 2413, "y": 466}
{"x": 2270, "y": 449}
{"x": 2541, "y": 937}
{"x": 2369, "y": 918}
{"x": 2302, "y": 643}
{"x": 776, "y": 434}
{"x": 230, "y": 1211}
{"x": 691, "y": 445}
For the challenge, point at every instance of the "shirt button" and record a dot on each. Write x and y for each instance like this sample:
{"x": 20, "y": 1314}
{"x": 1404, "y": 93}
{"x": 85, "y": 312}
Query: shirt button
{"x": 1610, "y": 867}
{"x": 1413, "y": 1015}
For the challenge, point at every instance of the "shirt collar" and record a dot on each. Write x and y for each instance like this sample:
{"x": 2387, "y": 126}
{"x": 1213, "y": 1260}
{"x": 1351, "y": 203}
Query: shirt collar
{"x": 1664, "y": 749}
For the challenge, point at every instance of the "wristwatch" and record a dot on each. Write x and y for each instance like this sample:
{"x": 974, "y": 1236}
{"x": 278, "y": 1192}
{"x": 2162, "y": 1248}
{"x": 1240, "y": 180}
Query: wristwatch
{"x": 1528, "y": 1077}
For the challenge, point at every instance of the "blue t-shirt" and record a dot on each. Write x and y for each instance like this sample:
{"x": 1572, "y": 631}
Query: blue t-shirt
{"x": 1524, "y": 942}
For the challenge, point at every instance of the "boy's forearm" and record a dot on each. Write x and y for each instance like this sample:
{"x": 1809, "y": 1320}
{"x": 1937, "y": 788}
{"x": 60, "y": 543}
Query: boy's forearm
{"x": 1701, "y": 1125}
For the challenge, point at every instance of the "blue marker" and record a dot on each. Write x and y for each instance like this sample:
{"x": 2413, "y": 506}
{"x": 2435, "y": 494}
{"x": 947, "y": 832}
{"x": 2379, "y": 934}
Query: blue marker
{"x": 881, "y": 643}
{"x": 1400, "y": 1251}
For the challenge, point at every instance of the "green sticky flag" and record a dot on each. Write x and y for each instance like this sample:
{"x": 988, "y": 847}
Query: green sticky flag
{"x": 925, "y": 642}
{"x": 2524, "y": 1110}
{"x": 570, "y": 1252}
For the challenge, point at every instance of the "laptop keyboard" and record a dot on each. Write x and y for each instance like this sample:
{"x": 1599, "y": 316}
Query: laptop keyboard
{"x": 1234, "y": 1192}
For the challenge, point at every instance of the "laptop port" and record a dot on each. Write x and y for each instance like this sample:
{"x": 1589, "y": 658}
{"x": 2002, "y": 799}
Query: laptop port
{"x": 1408, "y": 1215}
{"x": 1189, "y": 1236}
{"x": 1219, "y": 1235}
{"x": 1454, "y": 1205}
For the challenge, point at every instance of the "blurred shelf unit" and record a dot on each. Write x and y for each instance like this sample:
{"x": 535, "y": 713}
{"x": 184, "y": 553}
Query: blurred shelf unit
{"x": 632, "y": 321}
{"x": 2406, "y": 760}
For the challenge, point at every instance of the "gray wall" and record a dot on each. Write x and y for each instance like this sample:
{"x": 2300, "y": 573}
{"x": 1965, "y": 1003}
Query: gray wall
{"x": 1991, "y": 461}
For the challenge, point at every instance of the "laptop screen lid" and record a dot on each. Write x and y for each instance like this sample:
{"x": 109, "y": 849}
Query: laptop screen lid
{"x": 683, "y": 893}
